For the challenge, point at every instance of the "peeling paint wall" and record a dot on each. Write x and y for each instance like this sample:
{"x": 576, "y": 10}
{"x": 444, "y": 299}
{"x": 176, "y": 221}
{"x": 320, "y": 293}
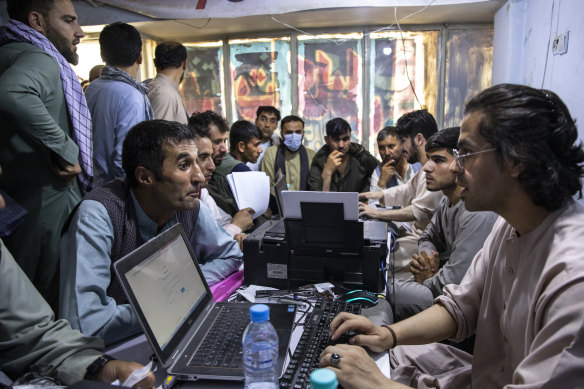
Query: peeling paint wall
{"x": 522, "y": 53}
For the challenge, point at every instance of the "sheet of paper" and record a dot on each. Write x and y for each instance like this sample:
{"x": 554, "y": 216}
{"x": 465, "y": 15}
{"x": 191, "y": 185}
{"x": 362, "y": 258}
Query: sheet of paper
{"x": 249, "y": 292}
{"x": 250, "y": 189}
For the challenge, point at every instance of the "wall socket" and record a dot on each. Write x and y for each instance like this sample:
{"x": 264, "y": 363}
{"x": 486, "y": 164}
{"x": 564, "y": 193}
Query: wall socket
{"x": 560, "y": 44}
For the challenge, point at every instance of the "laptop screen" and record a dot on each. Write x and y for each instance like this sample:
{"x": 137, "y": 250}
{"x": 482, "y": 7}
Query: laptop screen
{"x": 168, "y": 288}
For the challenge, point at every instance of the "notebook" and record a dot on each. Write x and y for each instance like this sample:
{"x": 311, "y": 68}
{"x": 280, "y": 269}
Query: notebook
{"x": 165, "y": 285}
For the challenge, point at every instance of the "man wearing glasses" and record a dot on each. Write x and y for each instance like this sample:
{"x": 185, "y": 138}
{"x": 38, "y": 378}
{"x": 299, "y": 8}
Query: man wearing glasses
{"x": 449, "y": 243}
{"x": 518, "y": 156}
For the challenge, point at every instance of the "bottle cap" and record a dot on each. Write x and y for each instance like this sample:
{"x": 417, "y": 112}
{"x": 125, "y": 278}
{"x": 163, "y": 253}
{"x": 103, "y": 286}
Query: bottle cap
{"x": 323, "y": 379}
{"x": 259, "y": 313}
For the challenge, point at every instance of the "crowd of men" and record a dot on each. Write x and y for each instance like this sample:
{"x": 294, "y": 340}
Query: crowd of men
{"x": 483, "y": 217}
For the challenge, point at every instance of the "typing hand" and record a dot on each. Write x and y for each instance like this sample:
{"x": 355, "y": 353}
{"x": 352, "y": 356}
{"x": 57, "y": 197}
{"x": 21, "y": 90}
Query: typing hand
{"x": 369, "y": 335}
{"x": 121, "y": 370}
{"x": 355, "y": 369}
{"x": 371, "y": 196}
{"x": 365, "y": 211}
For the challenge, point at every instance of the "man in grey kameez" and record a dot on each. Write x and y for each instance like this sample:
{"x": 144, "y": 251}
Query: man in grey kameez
{"x": 45, "y": 136}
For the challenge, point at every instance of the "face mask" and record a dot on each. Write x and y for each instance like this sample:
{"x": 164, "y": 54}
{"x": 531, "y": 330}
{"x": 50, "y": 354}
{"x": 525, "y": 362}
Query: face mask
{"x": 293, "y": 141}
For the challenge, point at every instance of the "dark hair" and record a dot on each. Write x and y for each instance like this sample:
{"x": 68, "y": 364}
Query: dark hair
{"x": 205, "y": 119}
{"x": 20, "y": 9}
{"x": 416, "y": 122}
{"x": 95, "y": 72}
{"x": 169, "y": 54}
{"x": 446, "y": 139}
{"x": 144, "y": 146}
{"x": 268, "y": 109}
{"x": 337, "y": 127}
{"x": 242, "y": 131}
{"x": 199, "y": 131}
{"x": 534, "y": 128}
{"x": 291, "y": 118}
{"x": 120, "y": 44}
{"x": 385, "y": 132}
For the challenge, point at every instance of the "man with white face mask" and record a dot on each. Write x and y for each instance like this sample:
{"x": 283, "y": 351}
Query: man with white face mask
{"x": 290, "y": 158}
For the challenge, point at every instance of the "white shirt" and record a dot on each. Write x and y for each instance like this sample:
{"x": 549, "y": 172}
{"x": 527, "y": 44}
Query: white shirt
{"x": 220, "y": 215}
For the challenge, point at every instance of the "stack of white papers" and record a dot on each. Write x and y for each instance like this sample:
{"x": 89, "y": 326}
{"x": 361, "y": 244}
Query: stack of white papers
{"x": 250, "y": 189}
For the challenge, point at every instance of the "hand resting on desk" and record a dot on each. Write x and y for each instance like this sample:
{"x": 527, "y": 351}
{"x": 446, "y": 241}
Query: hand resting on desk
{"x": 356, "y": 369}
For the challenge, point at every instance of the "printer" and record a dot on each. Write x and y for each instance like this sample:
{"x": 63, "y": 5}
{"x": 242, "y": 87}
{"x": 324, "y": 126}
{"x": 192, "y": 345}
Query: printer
{"x": 320, "y": 246}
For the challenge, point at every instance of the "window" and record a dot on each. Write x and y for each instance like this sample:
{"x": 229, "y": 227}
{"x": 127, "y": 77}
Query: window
{"x": 403, "y": 77}
{"x": 468, "y": 70}
{"x": 259, "y": 75}
{"x": 202, "y": 86}
{"x": 368, "y": 78}
{"x": 329, "y": 84}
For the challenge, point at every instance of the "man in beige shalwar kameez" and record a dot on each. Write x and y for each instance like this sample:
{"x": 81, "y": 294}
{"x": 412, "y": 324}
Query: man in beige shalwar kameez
{"x": 523, "y": 295}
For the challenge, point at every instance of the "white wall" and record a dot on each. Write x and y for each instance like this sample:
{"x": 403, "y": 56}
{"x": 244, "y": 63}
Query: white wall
{"x": 524, "y": 31}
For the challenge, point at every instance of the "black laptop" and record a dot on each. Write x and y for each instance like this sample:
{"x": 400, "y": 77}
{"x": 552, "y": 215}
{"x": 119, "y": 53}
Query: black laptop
{"x": 193, "y": 337}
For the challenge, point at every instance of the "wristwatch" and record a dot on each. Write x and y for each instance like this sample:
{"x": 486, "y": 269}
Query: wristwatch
{"x": 96, "y": 366}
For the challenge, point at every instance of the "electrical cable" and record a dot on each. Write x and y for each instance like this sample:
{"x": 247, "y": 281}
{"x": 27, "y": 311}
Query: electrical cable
{"x": 547, "y": 55}
{"x": 190, "y": 25}
{"x": 385, "y": 275}
{"x": 401, "y": 33}
{"x": 297, "y": 323}
{"x": 342, "y": 40}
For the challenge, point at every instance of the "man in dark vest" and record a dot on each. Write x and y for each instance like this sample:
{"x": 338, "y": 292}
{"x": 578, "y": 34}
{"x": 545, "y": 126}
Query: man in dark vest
{"x": 290, "y": 158}
{"x": 244, "y": 146}
{"x": 161, "y": 189}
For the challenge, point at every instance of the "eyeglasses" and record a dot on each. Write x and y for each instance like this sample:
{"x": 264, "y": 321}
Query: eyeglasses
{"x": 460, "y": 157}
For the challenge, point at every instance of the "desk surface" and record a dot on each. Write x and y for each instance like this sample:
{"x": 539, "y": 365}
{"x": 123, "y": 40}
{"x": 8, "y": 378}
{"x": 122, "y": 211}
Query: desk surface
{"x": 137, "y": 349}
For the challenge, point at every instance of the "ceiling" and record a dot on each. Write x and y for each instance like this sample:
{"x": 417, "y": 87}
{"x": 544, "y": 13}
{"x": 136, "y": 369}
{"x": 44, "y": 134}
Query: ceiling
{"x": 200, "y": 29}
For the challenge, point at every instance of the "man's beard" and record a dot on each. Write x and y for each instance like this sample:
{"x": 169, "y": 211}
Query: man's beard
{"x": 389, "y": 158}
{"x": 414, "y": 157}
{"x": 217, "y": 161}
{"x": 63, "y": 45}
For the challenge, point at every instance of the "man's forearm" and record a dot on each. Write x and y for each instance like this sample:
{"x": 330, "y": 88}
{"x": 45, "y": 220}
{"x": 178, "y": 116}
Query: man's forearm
{"x": 398, "y": 215}
{"x": 432, "y": 325}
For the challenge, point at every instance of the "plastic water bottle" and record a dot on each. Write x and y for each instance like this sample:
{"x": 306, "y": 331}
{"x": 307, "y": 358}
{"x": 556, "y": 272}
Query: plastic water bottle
{"x": 260, "y": 350}
{"x": 323, "y": 379}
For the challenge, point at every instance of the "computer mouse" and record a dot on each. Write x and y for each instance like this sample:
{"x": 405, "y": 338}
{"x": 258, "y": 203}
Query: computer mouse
{"x": 360, "y": 296}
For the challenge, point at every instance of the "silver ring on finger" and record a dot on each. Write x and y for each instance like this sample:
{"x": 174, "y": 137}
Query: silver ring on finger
{"x": 335, "y": 359}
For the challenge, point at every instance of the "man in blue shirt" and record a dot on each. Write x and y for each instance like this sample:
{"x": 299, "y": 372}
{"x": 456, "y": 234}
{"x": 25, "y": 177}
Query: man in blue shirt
{"x": 31, "y": 340}
{"x": 161, "y": 189}
{"x": 116, "y": 100}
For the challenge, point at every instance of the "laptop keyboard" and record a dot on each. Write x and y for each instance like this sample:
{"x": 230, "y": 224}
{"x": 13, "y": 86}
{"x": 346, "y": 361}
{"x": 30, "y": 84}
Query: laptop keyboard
{"x": 313, "y": 341}
{"x": 222, "y": 344}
